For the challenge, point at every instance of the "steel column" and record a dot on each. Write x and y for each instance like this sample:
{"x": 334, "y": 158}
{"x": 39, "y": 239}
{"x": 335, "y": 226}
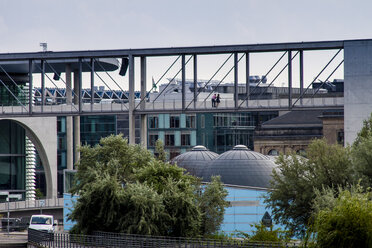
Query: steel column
{"x": 247, "y": 72}
{"x": 236, "y": 92}
{"x": 301, "y": 75}
{"x": 91, "y": 83}
{"x": 183, "y": 82}
{"x": 290, "y": 79}
{"x": 30, "y": 87}
{"x": 132, "y": 133}
{"x": 42, "y": 65}
{"x": 80, "y": 84}
{"x": 143, "y": 102}
{"x": 76, "y": 119}
{"x": 195, "y": 80}
{"x": 69, "y": 122}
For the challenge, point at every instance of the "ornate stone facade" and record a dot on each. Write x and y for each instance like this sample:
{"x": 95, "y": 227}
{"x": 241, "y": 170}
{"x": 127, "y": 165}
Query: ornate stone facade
{"x": 293, "y": 131}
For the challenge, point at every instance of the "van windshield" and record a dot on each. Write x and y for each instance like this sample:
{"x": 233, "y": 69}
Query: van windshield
{"x": 41, "y": 221}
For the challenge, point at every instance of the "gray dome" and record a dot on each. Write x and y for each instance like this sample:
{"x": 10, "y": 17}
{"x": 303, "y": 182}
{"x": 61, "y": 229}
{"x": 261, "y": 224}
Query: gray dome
{"x": 196, "y": 160}
{"x": 241, "y": 166}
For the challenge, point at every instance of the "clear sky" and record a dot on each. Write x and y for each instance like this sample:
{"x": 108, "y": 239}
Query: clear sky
{"x": 122, "y": 24}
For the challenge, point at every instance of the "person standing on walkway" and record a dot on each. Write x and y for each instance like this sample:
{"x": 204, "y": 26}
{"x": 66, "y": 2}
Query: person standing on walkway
{"x": 218, "y": 100}
{"x": 214, "y": 100}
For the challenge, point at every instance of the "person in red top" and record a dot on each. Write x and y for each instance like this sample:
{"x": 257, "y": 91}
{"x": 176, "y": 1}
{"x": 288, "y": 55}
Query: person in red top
{"x": 214, "y": 100}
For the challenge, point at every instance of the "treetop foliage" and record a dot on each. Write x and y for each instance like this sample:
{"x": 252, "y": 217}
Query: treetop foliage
{"x": 294, "y": 181}
{"x": 343, "y": 218}
{"x": 124, "y": 188}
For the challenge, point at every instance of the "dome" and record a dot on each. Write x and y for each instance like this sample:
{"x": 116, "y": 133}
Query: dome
{"x": 241, "y": 166}
{"x": 196, "y": 160}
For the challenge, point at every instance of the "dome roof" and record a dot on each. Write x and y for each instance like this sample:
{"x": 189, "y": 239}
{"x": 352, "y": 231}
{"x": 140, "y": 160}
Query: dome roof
{"x": 196, "y": 160}
{"x": 241, "y": 166}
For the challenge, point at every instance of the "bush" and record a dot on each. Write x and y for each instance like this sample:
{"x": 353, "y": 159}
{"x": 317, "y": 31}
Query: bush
{"x": 347, "y": 222}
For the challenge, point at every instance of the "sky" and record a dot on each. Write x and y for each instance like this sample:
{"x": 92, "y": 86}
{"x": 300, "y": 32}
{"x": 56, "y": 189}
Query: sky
{"x": 68, "y": 25}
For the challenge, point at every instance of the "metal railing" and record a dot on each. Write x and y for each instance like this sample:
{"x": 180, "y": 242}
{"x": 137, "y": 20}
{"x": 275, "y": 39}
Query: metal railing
{"x": 103, "y": 239}
{"x": 173, "y": 104}
{"x": 32, "y": 204}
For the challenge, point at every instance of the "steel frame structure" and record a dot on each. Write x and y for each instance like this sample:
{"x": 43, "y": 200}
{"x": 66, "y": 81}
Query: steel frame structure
{"x": 90, "y": 58}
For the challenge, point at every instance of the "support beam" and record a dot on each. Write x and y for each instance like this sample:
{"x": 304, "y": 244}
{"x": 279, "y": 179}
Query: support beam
{"x": 301, "y": 75}
{"x": 76, "y": 122}
{"x": 183, "y": 82}
{"x": 30, "y": 87}
{"x": 289, "y": 79}
{"x": 91, "y": 83}
{"x": 143, "y": 103}
{"x": 236, "y": 92}
{"x": 132, "y": 133}
{"x": 69, "y": 122}
{"x": 80, "y": 82}
{"x": 68, "y": 85}
{"x": 42, "y": 65}
{"x": 195, "y": 80}
{"x": 247, "y": 72}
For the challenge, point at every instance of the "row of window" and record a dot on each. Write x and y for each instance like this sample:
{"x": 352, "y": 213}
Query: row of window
{"x": 169, "y": 139}
{"x": 174, "y": 121}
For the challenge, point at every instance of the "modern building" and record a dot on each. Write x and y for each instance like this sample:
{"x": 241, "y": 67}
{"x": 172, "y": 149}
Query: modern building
{"x": 218, "y": 132}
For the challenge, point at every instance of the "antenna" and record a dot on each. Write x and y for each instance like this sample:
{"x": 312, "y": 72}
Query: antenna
{"x": 44, "y": 45}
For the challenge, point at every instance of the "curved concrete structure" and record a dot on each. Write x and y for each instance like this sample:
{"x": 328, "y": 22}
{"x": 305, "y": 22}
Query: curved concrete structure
{"x": 42, "y": 131}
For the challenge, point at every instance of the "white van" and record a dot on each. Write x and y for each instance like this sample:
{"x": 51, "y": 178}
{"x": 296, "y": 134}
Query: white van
{"x": 42, "y": 223}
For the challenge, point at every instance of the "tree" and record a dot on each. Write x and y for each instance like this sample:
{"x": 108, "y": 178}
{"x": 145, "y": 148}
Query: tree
{"x": 343, "y": 218}
{"x": 362, "y": 153}
{"x": 212, "y": 204}
{"x": 159, "y": 151}
{"x": 365, "y": 132}
{"x": 124, "y": 188}
{"x": 295, "y": 180}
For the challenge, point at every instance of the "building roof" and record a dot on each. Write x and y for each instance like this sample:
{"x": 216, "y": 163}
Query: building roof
{"x": 295, "y": 118}
{"x": 196, "y": 160}
{"x": 241, "y": 166}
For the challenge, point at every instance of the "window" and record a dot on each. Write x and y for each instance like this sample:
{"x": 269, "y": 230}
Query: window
{"x": 185, "y": 139}
{"x": 153, "y": 122}
{"x": 340, "y": 137}
{"x": 273, "y": 152}
{"x": 174, "y": 122}
{"x": 202, "y": 121}
{"x": 152, "y": 139}
{"x": 169, "y": 140}
{"x": 190, "y": 121}
{"x": 173, "y": 154}
{"x": 61, "y": 143}
{"x": 301, "y": 152}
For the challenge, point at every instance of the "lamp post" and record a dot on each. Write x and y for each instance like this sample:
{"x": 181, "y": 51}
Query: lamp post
{"x": 7, "y": 199}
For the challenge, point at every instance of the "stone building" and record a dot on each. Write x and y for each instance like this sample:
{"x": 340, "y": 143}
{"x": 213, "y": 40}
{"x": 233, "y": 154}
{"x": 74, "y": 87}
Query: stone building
{"x": 293, "y": 131}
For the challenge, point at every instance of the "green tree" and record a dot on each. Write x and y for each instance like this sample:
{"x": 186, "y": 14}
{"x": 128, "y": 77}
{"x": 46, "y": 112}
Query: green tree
{"x": 365, "y": 132}
{"x": 343, "y": 218}
{"x": 295, "y": 180}
{"x": 159, "y": 151}
{"x": 123, "y": 188}
{"x": 213, "y": 204}
{"x": 362, "y": 153}
{"x": 179, "y": 196}
{"x": 113, "y": 156}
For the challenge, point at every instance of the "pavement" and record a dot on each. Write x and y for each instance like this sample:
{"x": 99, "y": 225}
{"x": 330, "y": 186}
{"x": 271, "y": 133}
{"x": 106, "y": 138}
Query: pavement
{"x": 13, "y": 239}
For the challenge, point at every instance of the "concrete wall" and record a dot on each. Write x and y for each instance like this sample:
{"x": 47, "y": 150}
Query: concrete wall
{"x": 42, "y": 131}
{"x": 358, "y": 86}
